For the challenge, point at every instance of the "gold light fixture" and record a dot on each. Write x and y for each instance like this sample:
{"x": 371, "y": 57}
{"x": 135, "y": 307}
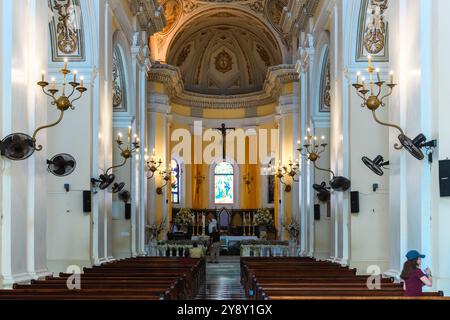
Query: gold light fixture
{"x": 126, "y": 152}
{"x": 248, "y": 179}
{"x": 312, "y": 149}
{"x": 152, "y": 165}
{"x": 166, "y": 176}
{"x": 372, "y": 99}
{"x": 20, "y": 146}
{"x": 282, "y": 171}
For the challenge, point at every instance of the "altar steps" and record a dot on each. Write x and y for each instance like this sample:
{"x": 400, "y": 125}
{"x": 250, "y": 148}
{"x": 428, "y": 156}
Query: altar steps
{"x": 222, "y": 281}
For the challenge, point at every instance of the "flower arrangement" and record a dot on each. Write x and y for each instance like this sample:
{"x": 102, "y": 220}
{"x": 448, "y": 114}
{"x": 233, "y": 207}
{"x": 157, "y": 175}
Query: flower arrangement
{"x": 184, "y": 217}
{"x": 155, "y": 230}
{"x": 263, "y": 217}
{"x": 293, "y": 228}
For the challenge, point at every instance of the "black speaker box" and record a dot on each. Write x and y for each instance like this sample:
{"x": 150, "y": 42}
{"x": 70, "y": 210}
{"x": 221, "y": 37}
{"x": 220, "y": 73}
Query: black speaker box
{"x": 317, "y": 212}
{"x": 128, "y": 211}
{"x": 444, "y": 178}
{"x": 354, "y": 201}
{"x": 87, "y": 204}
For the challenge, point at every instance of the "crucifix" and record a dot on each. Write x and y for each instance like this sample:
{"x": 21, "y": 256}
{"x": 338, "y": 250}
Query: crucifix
{"x": 223, "y": 129}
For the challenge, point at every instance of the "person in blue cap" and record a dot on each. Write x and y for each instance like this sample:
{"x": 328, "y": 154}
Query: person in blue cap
{"x": 414, "y": 278}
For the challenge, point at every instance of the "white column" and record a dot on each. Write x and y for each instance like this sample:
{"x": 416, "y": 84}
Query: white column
{"x": 22, "y": 108}
{"x": 102, "y": 141}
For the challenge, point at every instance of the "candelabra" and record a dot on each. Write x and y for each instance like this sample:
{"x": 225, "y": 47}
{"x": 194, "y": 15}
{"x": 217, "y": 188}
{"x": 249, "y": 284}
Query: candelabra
{"x": 372, "y": 99}
{"x": 166, "y": 176}
{"x": 126, "y": 152}
{"x": 312, "y": 150}
{"x": 152, "y": 165}
{"x": 20, "y": 146}
{"x": 290, "y": 170}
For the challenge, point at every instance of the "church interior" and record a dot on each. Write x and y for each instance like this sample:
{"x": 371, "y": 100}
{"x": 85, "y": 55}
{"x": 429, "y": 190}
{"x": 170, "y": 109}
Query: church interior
{"x": 224, "y": 149}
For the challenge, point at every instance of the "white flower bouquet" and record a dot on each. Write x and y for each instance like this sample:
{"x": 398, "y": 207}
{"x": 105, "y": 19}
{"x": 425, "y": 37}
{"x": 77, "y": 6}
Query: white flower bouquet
{"x": 155, "y": 230}
{"x": 184, "y": 217}
{"x": 263, "y": 217}
{"x": 293, "y": 229}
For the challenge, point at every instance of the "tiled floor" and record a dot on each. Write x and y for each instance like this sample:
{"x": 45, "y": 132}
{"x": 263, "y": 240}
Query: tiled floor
{"x": 223, "y": 281}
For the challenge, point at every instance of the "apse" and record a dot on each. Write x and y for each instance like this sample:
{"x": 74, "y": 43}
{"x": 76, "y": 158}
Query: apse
{"x": 224, "y": 53}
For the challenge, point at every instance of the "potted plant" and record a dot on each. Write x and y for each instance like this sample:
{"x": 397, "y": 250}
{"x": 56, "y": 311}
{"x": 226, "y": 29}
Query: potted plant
{"x": 293, "y": 229}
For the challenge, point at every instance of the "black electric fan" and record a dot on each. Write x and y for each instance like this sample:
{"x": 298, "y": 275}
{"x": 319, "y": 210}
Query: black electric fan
{"x": 376, "y": 165}
{"x": 340, "y": 183}
{"x": 61, "y": 165}
{"x": 17, "y": 146}
{"x": 117, "y": 187}
{"x": 104, "y": 181}
{"x": 415, "y": 145}
{"x": 125, "y": 196}
{"x": 323, "y": 194}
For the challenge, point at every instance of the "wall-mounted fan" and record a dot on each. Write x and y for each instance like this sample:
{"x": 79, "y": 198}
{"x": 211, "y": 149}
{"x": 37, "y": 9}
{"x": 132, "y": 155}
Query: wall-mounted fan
{"x": 323, "y": 194}
{"x": 104, "y": 181}
{"x": 414, "y": 146}
{"x": 125, "y": 196}
{"x": 117, "y": 187}
{"x": 17, "y": 146}
{"x": 61, "y": 165}
{"x": 340, "y": 183}
{"x": 376, "y": 165}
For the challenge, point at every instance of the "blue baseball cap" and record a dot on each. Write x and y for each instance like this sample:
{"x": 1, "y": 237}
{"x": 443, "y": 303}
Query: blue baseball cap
{"x": 414, "y": 254}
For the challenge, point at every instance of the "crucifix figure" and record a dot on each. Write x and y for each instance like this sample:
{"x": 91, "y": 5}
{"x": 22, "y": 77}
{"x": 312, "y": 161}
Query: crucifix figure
{"x": 223, "y": 129}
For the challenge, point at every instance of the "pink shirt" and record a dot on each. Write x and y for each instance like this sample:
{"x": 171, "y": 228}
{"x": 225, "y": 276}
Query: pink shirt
{"x": 413, "y": 284}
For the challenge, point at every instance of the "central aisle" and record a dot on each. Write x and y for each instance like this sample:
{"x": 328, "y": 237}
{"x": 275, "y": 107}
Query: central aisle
{"x": 223, "y": 281}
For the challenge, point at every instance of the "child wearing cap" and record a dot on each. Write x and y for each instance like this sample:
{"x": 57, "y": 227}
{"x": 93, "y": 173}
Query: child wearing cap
{"x": 414, "y": 278}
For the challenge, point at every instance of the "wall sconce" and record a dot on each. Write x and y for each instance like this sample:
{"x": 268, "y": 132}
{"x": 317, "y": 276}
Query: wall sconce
{"x": 248, "y": 179}
{"x": 373, "y": 101}
{"x": 167, "y": 176}
{"x": 312, "y": 150}
{"x": 152, "y": 165}
{"x": 289, "y": 170}
{"x": 20, "y": 146}
{"x": 126, "y": 152}
{"x": 376, "y": 165}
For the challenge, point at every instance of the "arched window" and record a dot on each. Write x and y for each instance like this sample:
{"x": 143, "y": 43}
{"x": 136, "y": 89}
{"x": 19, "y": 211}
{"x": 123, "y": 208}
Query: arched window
{"x": 224, "y": 183}
{"x": 175, "y": 182}
{"x": 271, "y": 185}
{"x": 119, "y": 94}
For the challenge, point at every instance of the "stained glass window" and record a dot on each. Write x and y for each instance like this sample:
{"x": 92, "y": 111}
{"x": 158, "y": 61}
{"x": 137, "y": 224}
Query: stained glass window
{"x": 175, "y": 182}
{"x": 271, "y": 186}
{"x": 224, "y": 183}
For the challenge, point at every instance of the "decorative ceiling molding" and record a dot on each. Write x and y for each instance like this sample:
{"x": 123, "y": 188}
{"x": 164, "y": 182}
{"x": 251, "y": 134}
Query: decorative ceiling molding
{"x": 276, "y": 76}
{"x": 149, "y": 14}
{"x": 66, "y": 30}
{"x": 296, "y": 15}
{"x": 373, "y": 31}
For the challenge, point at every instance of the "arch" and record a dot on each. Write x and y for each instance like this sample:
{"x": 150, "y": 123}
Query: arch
{"x": 182, "y": 182}
{"x": 121, "y": 47}
{"x": 212, "y": 171}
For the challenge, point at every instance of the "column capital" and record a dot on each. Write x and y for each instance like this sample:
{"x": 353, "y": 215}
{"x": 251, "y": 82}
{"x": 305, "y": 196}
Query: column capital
{"x": 287, "y": 104}
{"x": 159, "y": 103}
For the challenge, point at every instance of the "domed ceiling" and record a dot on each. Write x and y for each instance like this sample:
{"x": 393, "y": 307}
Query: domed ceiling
{"x": 222, "y": 47}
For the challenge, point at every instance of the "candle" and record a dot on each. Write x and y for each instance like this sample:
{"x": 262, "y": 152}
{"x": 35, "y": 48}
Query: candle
{"x": 364, "y": 83}
{"x": 75, "y": 75}
{"x": 358, "y": 76}
{"x": 392, "y": 77}
{"x": 43, "y": 75}
{"x": 203, "y": 224}
{"x": 82, "y": 80}
{"x": 129, "y": 134}
{"x": 378, "y": 74}
{"x": 53, "y": 83}
{"x": 369, "y": 60}
{"x": 66, "y": 61}
{"x": 119, "y": 137}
